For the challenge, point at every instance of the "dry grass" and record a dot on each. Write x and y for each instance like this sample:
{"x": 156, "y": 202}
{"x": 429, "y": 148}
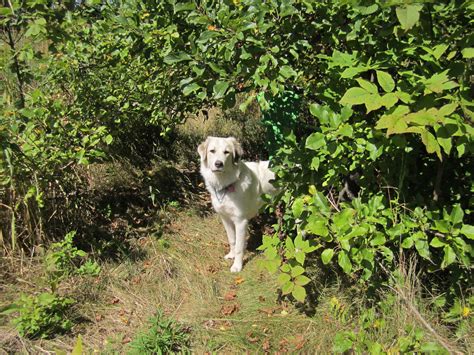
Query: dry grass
{"x": 184, "y": 274}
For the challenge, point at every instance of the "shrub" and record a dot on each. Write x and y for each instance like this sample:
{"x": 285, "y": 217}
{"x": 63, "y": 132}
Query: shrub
{"x": 64, "y": 259}
{"x": 162, "y": 336}
{"x": 41, "y": 316}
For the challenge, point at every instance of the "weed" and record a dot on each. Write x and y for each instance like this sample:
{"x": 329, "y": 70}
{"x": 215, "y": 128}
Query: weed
{"x": 41, "y": 316}
{"x": 163, "y": 336}
{"x": 63, "y": 258}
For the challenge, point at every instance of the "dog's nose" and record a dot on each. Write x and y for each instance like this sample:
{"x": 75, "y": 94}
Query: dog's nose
{"x": 219, "y": 164}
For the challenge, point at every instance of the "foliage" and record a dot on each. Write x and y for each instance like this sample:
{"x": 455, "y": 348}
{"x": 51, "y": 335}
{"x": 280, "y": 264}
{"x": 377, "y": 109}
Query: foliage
{"x": 41, "y": 316}
{"x": 43, "y": 137}
{"x": 161, "y": 337}
{"x": 380, "y": 166}
{"x": 64, "y": 259}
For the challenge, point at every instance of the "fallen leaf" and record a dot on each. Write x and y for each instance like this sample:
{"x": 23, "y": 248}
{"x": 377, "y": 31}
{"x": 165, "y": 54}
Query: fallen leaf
{"x": 209, "y": 323}
{"x": 136, "y": 280}
{"x": 126, "y": 340}
{"x": 239, "y": 280}
{"x": 299, "y": 346}
{"x": 261, "y": 298}
{"x": 267, "y": 311}
{"x": 212, "y": 269}
{"x": 229, "y": 309}
{"x": 230, "y": 295}
{"x": 283, "y": 345}
{"x": 122, "y": 312}
{"x": 266, "y": 345}
{"x": 115, "y": 300}
{"x": 251, "y": 337}
{"x": 99, "y": 317}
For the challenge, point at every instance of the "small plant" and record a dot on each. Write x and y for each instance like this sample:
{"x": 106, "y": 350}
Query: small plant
{"x": 161, "y": 337}
{"x": 63, "y": 259}
{"x": 41, "y": 316}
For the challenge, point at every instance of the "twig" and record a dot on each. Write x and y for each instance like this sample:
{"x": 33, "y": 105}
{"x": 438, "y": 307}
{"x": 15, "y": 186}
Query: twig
{"x": 11, "y": 7}
{"x": 6, "y": 206}
{"x": 437, "y": 185}
{"x": 331, "y": 200}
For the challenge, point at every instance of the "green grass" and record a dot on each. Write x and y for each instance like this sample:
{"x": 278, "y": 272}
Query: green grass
{"x": 183, "y": 274}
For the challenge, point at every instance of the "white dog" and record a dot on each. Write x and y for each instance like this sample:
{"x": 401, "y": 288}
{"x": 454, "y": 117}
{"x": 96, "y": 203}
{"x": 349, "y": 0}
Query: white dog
{"x": 236, "y": 188}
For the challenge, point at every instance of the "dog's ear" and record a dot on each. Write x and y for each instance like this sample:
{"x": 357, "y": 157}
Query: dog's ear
{"x": 237, "y": 150}
{"x": 202, "y": 150}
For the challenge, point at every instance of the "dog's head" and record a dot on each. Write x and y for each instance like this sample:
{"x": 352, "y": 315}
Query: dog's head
{"x": 219, "y": 154}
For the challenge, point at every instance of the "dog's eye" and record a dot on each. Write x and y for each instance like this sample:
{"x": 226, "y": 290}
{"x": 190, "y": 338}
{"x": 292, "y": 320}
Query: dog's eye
{"x": 212, "y": 151}
{"x": 226, "y": 152}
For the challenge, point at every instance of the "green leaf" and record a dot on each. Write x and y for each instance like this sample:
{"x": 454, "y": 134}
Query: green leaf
{"x": 408, "y": 15}
{"x": 438, "y": 82}
{"x": 108, "y": 139}
{"x": 389, "y": 100}
{"x": 77, "y": 350}
{"x": 449, "y": 256}
{"x": 283, "y": 278}
{"x": 327, "y": 255}
{"x": 385, "y": 81}
{"x": 299, "y": 293}
{"x": 300, "y": 256}
{"x": 297, "y": 270}
{"x": 342, "y": 343}
{"x": 437, "y": 243}
{"x": 317, "y": 225}
{"x": 320, "y": 112}
{"x": 287, "y": 288}
{"x": 174, "y": 58}
{"x": 302, "y": 280}
{"x": 220, "y": 89}
{"x": 355, "y": 96}
{"x": 286, "y": 71}
{"x": 315, "y": 141}
{"x": 344, "y": 262}
{"x": 431, "y": 144}
{"x": 468, "y": 53}
{"x": 407, "y": 243}
{"x": 442, "y": 226}
{"x": 468, "y": 231}
{"x": 367, "y": 85}
{"x": 379, "y": 239}
{"x": 457, "y": 214}
{"x": 297, "y": 207}
{"x": 207, "y": 35}
{"x": 184, "y": 6}
{"x": 422, "y": 248}
{"x": 189, "y": 89}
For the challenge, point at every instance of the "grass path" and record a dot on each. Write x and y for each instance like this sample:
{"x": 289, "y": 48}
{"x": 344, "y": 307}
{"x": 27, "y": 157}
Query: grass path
{"x": 184, "y": 274}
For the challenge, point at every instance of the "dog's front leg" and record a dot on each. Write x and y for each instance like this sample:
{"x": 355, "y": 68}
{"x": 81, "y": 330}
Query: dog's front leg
{"x": 240, "y": 244}
{"x": 230, "y": 230}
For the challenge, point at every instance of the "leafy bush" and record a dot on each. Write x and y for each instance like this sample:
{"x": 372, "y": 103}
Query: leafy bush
{"x": 162, "y": 336}
{"x": 42, "y": 316}
{"x": 380, "y": 166}
{"x": 64, "y": 259}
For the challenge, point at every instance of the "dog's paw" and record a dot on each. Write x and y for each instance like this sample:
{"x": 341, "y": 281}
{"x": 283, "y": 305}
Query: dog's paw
{"x": 236, "y": 268}
{"x": 231, "y": 255}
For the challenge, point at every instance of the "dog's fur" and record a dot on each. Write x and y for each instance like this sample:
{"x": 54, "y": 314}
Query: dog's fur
{"x": 235, "y": 187}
